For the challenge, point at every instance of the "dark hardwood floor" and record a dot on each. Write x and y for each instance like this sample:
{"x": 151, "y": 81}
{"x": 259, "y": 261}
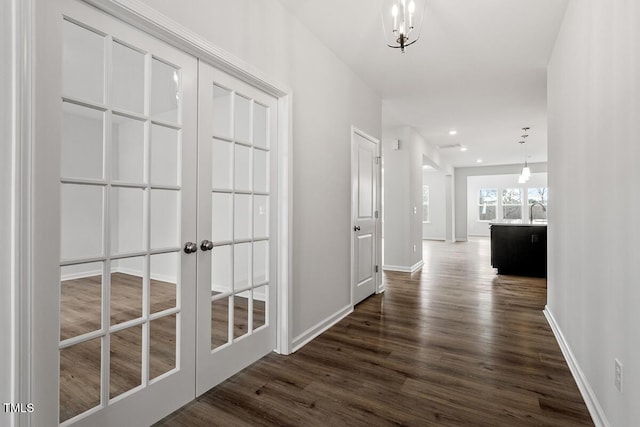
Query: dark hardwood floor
{"x": 451, "y": 345}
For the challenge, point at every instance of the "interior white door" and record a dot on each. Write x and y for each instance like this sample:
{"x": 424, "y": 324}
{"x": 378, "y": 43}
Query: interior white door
{"x": 124, "y": 310}
{"x": 237, "y": 183}
{"x": 365, "y": 215}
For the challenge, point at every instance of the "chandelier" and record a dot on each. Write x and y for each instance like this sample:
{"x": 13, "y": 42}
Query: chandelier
{"x": 402, "y": 22}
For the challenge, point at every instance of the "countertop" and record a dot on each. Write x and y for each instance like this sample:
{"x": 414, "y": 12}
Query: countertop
{"x": 520, "y": 223}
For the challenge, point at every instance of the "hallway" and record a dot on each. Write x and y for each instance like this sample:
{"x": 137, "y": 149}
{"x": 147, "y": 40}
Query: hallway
{"x": 453, "y": 344}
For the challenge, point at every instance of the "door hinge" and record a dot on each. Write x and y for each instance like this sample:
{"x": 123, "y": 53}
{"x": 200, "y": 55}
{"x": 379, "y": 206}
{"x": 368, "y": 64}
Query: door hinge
{"x": 375, "y": 214}
{"x": 378, "y": 160}
{"x": 376, "y": 268}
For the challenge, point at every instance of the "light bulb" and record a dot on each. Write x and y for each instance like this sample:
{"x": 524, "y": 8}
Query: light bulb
{"x": 394, "y": 10}
{"x": 412, "y": 6}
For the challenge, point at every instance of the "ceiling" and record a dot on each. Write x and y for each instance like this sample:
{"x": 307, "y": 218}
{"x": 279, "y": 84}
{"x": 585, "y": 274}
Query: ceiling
{"x": 479, "y": 68}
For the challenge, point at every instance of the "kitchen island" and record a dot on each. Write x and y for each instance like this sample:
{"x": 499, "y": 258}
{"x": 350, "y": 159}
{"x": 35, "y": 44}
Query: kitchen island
{"x": 519, "y": 248}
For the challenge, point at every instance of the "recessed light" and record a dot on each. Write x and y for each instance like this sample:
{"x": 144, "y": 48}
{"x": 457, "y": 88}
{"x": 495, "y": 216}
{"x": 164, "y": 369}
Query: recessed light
{"x": 463, "y": 148}
{"x": 479, "y": 161}
{"x": 453, "y": 132}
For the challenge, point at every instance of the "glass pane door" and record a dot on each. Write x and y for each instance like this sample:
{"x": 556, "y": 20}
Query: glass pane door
{"x": 236, "y": 286}
{"x": 116, "y": 291}
{"x": 126, "y": 204}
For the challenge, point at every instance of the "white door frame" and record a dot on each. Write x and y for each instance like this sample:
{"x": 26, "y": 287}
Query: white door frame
{"x": 25, "y": 19}
{"x": 378, "y": 228}
{"x": 17, "y": 194}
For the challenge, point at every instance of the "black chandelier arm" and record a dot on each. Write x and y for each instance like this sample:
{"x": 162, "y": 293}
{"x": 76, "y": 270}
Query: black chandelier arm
{"x": 400, "y": 47}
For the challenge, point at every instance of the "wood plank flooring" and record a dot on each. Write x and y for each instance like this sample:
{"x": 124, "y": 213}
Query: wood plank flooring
{"x": 80, "y": 364}
{"x": 451, "y": 345}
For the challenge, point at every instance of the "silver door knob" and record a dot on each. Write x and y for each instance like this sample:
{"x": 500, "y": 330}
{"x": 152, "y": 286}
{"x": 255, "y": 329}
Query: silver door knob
{"x": 206, "y": 245}
{"x": 190, "y": 247}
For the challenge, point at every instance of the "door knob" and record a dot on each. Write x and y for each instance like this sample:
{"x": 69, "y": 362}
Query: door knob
{"x": 206, "y": 245}
{"x": 190, "y": 247}
{"x": 356, "y": 228}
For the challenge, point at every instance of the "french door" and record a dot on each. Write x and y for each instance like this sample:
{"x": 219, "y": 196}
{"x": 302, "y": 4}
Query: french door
{"x": 158, "y": 277}
{"x": 128, "y": 111}
{"x": 236, "y": 189}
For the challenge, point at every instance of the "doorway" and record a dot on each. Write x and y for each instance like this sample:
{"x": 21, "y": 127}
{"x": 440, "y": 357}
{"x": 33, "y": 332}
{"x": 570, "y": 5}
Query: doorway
{"x": 365, "y": 171}
{"x": 160, "y": 262}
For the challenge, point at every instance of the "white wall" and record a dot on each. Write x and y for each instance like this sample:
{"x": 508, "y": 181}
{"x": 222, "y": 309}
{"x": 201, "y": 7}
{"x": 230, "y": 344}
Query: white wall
{"x": 593, "y": 108}
{"x": 81, "y": 215}
{"x": 449, "y": 209}
{"x": 435, "y": 228}
{"x": 81, "y": 209}
{"x": 461, "y": 194}
{"x": 403, "y": 175}
{"x": 327, "y": 99}
{"x": 475, "y": 227}
{"x": 397, "y": 202}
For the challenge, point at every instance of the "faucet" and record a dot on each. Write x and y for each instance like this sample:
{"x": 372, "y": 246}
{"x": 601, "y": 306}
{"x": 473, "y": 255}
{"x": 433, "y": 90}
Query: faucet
{"x": 544, "y": 208}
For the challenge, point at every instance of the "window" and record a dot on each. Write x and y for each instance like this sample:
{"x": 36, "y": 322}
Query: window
{"x": 425, "y": 203}
{"x": 512, "y": 203}
{"x": 487, "y": 203}
{"x": 538, "y": 195}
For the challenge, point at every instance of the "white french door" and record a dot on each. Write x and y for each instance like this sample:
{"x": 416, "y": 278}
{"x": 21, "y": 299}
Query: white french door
{"x": 127, "y": 289}
{"x": 236, "y": 192}
{"x": 157, "y": 279}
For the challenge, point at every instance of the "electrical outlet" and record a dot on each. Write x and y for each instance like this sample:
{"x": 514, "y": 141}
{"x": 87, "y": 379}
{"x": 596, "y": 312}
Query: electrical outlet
{"x": 618, "y": 375}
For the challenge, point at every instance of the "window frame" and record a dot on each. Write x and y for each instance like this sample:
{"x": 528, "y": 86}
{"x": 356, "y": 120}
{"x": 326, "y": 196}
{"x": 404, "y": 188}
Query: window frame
{"x": 503, "y": 205}
{"x": 426, "y": 204}
{"x": 544, "y": 200}
{"x": 496, "y": 203}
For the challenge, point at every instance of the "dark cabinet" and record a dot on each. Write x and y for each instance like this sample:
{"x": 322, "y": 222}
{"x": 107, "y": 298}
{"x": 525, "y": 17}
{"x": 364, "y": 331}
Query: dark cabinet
{"x": 519, "y": 250}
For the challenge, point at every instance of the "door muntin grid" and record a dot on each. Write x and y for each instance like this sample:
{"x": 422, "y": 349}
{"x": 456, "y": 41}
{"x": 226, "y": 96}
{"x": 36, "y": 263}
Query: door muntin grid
{"x": 112, "y": 182}
{"x": 240, "y": 203}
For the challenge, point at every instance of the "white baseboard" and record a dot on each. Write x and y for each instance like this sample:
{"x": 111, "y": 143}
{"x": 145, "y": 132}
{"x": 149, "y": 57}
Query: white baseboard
{"x": 436, "y": 239}
{"x": 138, "y": 273}
{"x": 590, "y": 399}
{"x": 308, "y": 335}
{"x": 415, "y": 267}
{"x": 123, "y": 270}
{"x": 80, "y": 275}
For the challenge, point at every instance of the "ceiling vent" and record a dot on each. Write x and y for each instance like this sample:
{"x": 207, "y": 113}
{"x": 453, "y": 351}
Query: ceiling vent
{"x": 448, "y": 146}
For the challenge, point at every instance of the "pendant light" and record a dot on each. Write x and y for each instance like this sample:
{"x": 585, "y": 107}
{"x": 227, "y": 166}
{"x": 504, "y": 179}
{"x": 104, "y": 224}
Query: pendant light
{"x": 526, "y": 172}
{"x": 521, "y": 179}
{"x": 401, "y": 22}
